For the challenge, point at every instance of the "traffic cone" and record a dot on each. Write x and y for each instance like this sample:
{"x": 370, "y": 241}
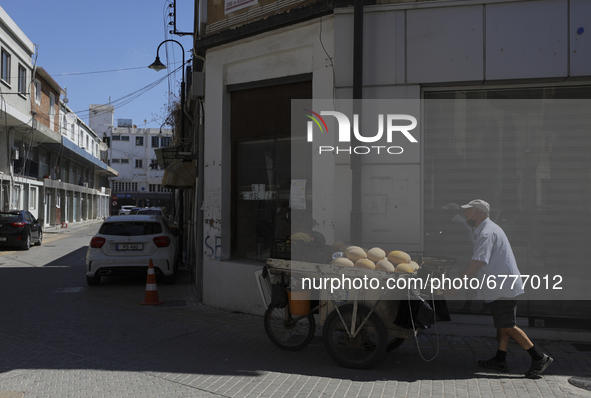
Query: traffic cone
{"x": 151, "y": 288}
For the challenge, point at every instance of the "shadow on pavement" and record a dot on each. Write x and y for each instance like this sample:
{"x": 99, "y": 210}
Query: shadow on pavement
{"x": 52, "y": 320}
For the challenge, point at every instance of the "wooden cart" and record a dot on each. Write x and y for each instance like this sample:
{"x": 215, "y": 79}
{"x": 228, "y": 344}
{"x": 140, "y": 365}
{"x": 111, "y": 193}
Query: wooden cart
{"x": 357, "y": 323}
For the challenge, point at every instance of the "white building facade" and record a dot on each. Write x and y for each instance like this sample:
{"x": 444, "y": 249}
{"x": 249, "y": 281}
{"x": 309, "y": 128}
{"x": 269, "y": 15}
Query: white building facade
{"x": 444, "y": 54}
{"x": 131, "y": 152}
{"x": 41, "y": 168}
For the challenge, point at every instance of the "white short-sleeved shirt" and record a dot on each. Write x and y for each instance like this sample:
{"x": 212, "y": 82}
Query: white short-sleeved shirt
{"x": 493, "y": 248}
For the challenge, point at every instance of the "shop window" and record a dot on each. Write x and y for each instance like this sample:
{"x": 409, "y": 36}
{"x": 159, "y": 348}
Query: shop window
{"x": 261, "y": 171}
{"x": 262, "y": 209}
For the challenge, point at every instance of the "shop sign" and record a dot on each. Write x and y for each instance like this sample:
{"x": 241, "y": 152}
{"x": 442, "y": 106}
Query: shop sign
{"x": 234, "y": 5}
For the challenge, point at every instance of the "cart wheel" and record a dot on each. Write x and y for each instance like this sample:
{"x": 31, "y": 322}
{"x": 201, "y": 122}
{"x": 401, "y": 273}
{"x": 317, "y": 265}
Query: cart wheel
{"x": 394, "y": 343}
{"x": 363, "y": 351}
{"x": 288, "y": 332}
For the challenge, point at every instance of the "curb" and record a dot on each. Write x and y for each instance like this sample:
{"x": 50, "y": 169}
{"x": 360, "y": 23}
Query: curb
{"x": 71, "y": 227}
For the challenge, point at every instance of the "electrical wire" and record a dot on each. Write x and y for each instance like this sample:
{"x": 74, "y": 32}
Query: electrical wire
{"x": 100, "y": 71}
{"x": 331, "y": 65}
{"x": 126, "y": 99}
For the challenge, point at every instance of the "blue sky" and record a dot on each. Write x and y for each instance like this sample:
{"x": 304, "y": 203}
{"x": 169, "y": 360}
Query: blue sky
{"x": 77, "y": 37}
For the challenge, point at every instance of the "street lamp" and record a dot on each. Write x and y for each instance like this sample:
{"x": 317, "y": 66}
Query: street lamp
{"x": 158, "y": 66}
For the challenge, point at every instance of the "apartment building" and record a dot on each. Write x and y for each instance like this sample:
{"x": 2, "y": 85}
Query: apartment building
{"x": 41, "y": 168}
{"x": 131, "y": 152}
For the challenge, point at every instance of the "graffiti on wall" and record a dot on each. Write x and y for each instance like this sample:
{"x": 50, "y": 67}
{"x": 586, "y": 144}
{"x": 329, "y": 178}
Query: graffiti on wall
{"x": 213, "y": 246}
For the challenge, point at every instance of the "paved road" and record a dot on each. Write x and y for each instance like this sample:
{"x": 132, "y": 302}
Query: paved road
{"x": 60, "y": 338}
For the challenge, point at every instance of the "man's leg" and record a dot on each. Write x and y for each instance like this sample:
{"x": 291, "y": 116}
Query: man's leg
{"x": 505, "y": 317}
{"x": 516, "y": 334}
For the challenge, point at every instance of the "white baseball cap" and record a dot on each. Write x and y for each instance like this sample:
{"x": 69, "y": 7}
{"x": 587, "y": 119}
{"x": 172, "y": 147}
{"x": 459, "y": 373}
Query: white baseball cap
{"x": 479, "y": 204}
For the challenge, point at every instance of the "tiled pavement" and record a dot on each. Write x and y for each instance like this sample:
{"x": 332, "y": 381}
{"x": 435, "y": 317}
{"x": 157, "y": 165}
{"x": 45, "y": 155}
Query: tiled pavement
{"x": 99, "y": 342}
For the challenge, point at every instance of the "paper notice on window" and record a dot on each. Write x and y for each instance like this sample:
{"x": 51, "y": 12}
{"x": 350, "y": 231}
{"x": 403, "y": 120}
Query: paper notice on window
{"x": 297, "y": 195}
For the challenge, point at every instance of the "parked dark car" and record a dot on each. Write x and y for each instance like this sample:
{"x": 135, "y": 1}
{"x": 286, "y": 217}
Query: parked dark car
{"x": 20, "y": 228}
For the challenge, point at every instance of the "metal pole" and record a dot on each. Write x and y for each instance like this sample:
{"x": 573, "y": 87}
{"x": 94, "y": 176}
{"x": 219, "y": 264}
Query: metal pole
{"x": 182, "y": 136}
{"x": 356, "y": 233}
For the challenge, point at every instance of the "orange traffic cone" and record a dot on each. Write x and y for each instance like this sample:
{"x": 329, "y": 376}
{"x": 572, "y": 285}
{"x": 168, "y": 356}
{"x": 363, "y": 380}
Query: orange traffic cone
{"x": 151, "y": 288}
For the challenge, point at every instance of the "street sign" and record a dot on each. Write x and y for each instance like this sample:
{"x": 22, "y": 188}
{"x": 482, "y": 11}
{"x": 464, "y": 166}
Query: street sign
{"x": 114, "y": 203}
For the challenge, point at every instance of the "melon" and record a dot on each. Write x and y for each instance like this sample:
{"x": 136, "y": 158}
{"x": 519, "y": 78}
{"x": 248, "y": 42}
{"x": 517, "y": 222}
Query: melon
{"x": 345, "y": 262}
{"x": 355, "y": 253}
{"x": 414, "y": 265}
{"x": 405, "y": 267}
{"x": 351, "y": 248}
{"x": 398, "y": 257}
{"x": 376, "y": 254}
{"x": 385, "y": 265}
{"x": 365, "y": 263}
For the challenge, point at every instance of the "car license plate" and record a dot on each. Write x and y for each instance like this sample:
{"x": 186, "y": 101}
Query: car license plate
{"x": 2, "y": 239}
{"x": 130, "y": 246}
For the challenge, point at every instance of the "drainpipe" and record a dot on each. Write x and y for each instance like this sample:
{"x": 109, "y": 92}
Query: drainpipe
{"x": 1, "y": 190}
{"x": 356, "y": 234}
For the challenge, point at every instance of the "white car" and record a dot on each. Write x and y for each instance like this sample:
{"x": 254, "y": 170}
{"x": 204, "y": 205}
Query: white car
{"x": 125, "y": 209}
{"x": 152, "y": 211}
{"x": 125, "y": 244}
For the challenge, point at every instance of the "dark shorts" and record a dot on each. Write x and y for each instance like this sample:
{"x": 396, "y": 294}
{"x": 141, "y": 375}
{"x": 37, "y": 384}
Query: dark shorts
{"x": 504, "y": 313}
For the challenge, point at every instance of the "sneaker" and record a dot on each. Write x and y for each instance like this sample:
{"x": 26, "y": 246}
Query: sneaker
{"x": 492, "y": 364}
{"x": 537, "y": 367}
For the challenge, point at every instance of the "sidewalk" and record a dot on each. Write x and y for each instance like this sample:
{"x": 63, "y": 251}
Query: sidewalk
{"x": 71, "y": 227}
{"x": 236, "y": 359}
{"x": 219, "y": 352}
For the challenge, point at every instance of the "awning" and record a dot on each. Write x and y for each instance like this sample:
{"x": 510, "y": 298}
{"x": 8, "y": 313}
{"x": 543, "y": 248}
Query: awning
{"x": 180, "y": 174}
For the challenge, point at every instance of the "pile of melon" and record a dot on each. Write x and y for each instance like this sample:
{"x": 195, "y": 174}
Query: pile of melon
{"x": 376, "y": 259}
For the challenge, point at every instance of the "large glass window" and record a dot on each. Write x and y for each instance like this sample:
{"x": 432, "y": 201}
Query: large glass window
{"x": 263, "y": 183}
{"x": 261, "y": 167}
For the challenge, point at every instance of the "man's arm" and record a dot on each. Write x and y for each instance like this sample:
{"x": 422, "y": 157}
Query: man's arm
{"x": 472, "y": 268}
{"x": 470, "y": 272}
